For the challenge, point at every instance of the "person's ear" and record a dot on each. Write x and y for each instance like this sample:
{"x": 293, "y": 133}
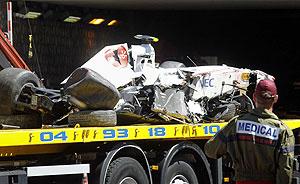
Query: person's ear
{"x": 254, "y": 97}
{"x": 275, "y": 98}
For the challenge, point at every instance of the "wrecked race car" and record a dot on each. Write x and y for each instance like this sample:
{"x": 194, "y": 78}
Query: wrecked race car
{"x": 125, "y": 85}
{"x": 170, "y": 91}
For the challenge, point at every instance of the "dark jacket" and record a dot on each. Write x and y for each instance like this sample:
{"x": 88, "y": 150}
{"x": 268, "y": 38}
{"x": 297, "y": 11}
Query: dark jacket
{"x": 260, "y": 146}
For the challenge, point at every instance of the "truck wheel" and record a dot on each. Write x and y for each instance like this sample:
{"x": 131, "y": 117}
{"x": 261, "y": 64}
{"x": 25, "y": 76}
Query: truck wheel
{"x": 12, "y": 80}
{"x": 126, "y": 170}
{"x": 181, "y": 172}
{"x": 172, "y": 64}
{"x": 97, "y": 118}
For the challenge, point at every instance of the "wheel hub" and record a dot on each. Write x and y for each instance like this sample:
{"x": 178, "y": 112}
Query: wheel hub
{"x": 128, "y": 180}
{"x": 179, "y": 179}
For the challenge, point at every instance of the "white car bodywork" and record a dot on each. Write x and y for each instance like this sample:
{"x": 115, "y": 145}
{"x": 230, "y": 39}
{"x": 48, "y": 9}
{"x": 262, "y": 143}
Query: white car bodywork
{"x": 207, "y": 81}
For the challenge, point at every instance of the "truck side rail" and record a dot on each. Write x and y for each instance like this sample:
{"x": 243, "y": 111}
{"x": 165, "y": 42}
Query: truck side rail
{"x": 64, "y": 136}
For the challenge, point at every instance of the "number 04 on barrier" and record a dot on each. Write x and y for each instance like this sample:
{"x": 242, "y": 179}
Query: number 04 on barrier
{"x": 50, "y": 136}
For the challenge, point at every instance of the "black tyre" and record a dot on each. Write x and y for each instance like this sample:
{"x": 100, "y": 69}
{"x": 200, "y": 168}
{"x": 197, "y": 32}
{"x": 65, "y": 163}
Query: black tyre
{"x": 171, "y": 64}
{"x": 180, "y": 172}
{"x": 12, "y": 80}
{"x": 98, "y": 118}
{"x": 20, "y": 121}
{"x": 126, "y": 170}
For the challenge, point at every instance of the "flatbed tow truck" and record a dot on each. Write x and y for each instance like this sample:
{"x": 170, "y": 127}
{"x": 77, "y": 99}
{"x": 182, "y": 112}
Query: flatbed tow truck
{"x": 128, "y": 154}
{"x": 30, "y": 153}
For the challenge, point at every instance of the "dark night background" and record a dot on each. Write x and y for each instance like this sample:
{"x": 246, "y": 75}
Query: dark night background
{"x": 263, "y": 39}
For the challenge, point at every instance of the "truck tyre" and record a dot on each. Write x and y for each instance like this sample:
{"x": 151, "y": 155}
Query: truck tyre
{"x": 171, "y": 64}
{"x": 20, "y": 121}
{"x": 181, "y": 172}
{"x": 97, "y": 118}
{"x": 126, "y": 170}
{"x": 12, "y": 80}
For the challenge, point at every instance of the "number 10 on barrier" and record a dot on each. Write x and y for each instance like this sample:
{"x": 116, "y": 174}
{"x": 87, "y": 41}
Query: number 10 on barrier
{"x": 213, "y": 129}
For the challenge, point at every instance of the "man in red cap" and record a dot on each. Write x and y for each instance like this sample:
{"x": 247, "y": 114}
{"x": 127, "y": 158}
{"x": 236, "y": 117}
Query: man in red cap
{"x": 259, "y": 144}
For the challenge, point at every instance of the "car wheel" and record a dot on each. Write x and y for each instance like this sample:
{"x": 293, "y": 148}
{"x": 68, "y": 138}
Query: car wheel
{"x": 181, "y": 172}
{"x": 126, "y": 170}
{"x": 97, "y": 118}
{"x": 12, "y": 80}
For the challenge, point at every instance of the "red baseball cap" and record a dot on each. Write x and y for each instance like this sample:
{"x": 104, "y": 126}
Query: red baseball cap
{"x": 266, "y": 89}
